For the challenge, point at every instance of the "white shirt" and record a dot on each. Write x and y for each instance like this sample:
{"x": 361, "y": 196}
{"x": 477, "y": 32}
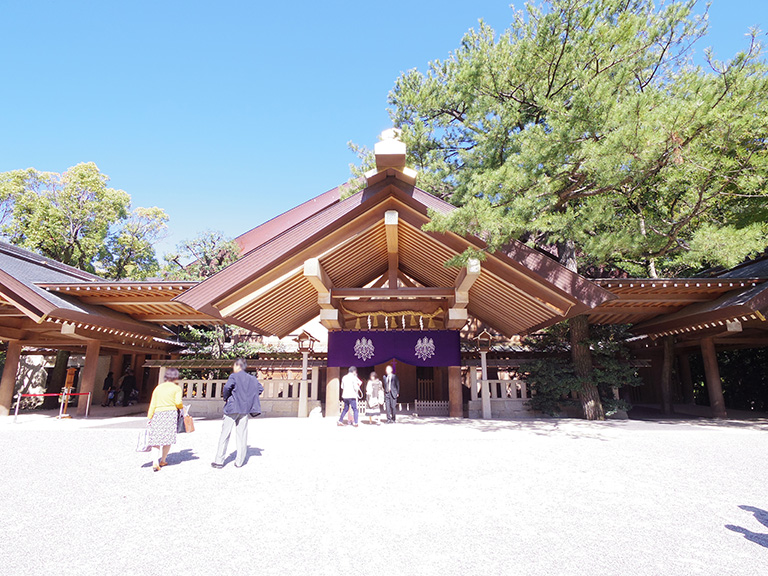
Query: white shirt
{"x": 350, "y": 384}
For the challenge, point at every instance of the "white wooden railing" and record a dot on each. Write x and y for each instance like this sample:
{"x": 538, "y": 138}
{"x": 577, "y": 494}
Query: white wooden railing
{"x": 281, "y": 396}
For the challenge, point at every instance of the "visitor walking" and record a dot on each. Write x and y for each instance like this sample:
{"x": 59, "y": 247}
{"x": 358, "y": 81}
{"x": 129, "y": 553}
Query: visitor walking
{"x": 241, "y": 396}
{"x": 127, "y": 385}
{"x": 350, "y": 389}
{"x": 163, "y": 417}
{"x": 109, "y": 390}
{"x": 391, "y": 392}
{"x": 374, "y": 398}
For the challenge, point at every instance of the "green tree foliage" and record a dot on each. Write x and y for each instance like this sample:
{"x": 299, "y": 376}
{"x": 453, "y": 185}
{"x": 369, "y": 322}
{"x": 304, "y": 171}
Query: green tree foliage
{"x": 197, "y": 259}
{"x": 75, "y": 218}
{"x": 587, "y": 122}
{"x": 201, "y": 257}
{"x": 129, "y": 251}
{"x": 553, "y": 378}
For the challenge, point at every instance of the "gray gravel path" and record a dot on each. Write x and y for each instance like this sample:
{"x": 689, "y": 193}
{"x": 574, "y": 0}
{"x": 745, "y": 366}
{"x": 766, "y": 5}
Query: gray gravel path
{"x": 430, "y": 496}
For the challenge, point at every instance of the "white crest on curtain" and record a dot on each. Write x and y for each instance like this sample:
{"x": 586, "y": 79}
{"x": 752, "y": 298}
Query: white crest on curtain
{"x": 425, "y": 348}
{"x": 364, "y": 348}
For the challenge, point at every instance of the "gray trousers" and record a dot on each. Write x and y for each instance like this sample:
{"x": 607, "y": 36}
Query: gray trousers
{"x": 230, "y": 421}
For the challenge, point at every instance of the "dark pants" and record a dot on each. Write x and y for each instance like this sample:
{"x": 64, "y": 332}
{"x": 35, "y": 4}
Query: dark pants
{"x": 349, "y": 403}
{"x": 127, "y": 396}
{"x": 391, "y": 404}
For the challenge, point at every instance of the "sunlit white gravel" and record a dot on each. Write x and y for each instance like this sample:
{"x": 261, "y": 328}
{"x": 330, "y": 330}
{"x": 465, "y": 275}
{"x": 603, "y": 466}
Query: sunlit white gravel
{"x": 423, "y": 496}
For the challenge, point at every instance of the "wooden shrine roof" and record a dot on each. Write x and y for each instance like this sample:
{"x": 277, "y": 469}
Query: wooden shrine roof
{"x": 266, "y": 289}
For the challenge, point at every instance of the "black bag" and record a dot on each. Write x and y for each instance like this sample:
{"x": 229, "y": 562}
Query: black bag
{"x": 180, "y": 428}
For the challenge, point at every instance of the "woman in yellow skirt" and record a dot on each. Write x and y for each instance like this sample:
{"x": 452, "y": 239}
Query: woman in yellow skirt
{"x": 163, "y": 417}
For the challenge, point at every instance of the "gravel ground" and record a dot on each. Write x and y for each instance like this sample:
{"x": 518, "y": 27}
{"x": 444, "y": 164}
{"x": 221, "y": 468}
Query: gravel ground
{"x": 429, "y": 496}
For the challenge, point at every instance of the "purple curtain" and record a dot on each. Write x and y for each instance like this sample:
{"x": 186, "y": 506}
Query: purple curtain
{"x": 418, "y": 348}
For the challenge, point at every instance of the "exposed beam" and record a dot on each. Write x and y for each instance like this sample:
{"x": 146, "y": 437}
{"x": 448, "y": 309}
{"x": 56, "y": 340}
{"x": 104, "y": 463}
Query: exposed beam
{"x": 317, "y": 276}
{"x": 393, "y": 255}
{"x": 420, "y": 292}
{"x": 456, "y": 319}
{"x": 112, "y": 300}
{"x": 330, "y": 319}
{"x": 11, "y": 333}
{"x": 170, "y": 318}
{"x": 464, "y": 282}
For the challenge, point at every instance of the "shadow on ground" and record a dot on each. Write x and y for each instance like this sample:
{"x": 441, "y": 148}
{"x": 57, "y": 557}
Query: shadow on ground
{"x": 185, "y": 455}
{"x": 252, "y": 451}
{"x": 756, "y": 537}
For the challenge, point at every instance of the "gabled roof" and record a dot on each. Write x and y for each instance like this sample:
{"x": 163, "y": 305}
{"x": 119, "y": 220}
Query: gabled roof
{"x": 516, "y": 292}
{"x": 271, "y": 228}
{"x": 22, "y": 274}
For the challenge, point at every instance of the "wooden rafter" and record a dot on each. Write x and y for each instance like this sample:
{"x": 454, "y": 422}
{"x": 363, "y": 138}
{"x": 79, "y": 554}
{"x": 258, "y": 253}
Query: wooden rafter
{"x": 393, "y": 256}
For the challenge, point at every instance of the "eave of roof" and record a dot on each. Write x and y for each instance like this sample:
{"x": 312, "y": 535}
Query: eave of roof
{"x": 742, "y": 303}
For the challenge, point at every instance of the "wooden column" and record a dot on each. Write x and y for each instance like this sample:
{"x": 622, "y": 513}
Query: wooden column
{"x": 712, "y": 373}
{"x": 303, "y": 392}
{"x": 485, "y": 389}
{"x": 684, "y": 369}
{"x": 455, "y": 397}
{"x": 333, "y": 378}
{"x": 667, "y": 366}
{"x": 116, "y": 366}
{"x": 8, "y": 381}
{"x": 88, "y": 376}
{"x": 138, "y": 372}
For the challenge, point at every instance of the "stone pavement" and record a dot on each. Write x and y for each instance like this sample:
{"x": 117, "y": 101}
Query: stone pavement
{"x": 425, "y": 496}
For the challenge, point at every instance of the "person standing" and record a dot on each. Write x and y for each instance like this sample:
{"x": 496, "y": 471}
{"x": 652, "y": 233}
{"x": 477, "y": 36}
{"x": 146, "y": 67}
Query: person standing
{"x": 241, "y": 396}
{"x": 391, "y": 392}
{"x": 109, "y": 389}
{"x": 374, "y": 393}
{"x": 350, "y": 389}
{"x": 127, "y": 384}
{"x": 163, "y": 417}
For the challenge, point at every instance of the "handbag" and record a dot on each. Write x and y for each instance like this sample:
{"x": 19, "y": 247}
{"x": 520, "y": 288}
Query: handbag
{"x": 381, "y": 397}
{"x": 189, "y": 424}
{"x": 180, "y": 428}
{"x": 142, "y": 444}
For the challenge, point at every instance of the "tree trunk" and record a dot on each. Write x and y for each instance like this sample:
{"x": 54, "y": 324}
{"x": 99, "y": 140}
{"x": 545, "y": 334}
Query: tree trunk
{"x": 581, "y": 356}
{"x": 582, "y": 363}
{"x": 57, "y": 381}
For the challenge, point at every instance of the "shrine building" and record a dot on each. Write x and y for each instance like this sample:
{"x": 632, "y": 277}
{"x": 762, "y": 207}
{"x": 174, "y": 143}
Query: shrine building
{"x": 375, "y": 285}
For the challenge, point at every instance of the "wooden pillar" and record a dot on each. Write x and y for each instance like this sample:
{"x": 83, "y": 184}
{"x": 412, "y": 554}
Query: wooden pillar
{"x": 333, "y": 378}
{"x": 8, "y": 381}
{"x": 667, "y": 366}
{"x": 138, "y": 372}
{"x": 315, "y": 392}
{"x": 455, "y": 397}
{"x": 303, "y": 392}
{"x": 88, "y": 376}
{"x": 684, "y": 369}
{"x": 712, "y": 373}
{"x": 116, "y": 366}
{"x": 485, "y": 388}
{"x": 472, "y": 383}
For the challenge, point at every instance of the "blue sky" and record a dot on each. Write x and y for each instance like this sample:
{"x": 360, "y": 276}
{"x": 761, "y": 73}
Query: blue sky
{"x": 228, "y": 113}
